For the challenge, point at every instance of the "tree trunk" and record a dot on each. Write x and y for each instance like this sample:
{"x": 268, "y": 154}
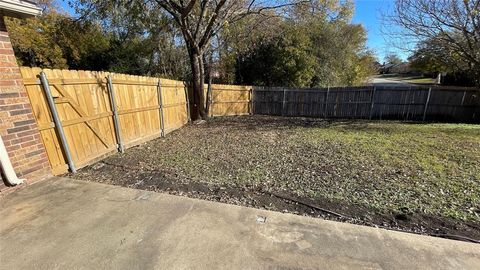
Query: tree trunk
{"x": 196, "y": 61}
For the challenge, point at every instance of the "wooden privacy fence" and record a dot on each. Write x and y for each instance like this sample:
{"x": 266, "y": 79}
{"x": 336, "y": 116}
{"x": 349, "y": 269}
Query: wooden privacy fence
{"x": 368, "y": 102}
{"x": 229, "y": 99}
{"x": 98, "y": 116}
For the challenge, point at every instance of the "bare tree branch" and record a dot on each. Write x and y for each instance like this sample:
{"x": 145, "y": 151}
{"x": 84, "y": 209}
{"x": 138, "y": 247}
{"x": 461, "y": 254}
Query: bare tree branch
{"x": 454, "y": 23}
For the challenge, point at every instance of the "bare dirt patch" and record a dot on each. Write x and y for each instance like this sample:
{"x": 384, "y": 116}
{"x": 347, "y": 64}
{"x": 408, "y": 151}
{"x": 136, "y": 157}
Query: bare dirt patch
{"x": 422, "y": 178}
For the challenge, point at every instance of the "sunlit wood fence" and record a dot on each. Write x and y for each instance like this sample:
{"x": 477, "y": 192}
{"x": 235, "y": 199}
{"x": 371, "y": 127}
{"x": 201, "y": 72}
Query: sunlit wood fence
{"x": 229, "y": 99}
{"x": 368, "y": 102}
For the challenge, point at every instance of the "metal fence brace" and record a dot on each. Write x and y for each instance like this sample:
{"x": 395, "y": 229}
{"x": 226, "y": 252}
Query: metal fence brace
{"x": 160, "y": 109}
{"x": 116, "y": 121}
{"x": 57, "y": 122}
{"x": 426, "y": 104}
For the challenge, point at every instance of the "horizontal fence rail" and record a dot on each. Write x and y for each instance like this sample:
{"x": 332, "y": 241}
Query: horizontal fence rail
{"x": 369, "y": 102}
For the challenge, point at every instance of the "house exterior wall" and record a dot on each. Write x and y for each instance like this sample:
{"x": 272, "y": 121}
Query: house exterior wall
{"x": 18, "y": 128}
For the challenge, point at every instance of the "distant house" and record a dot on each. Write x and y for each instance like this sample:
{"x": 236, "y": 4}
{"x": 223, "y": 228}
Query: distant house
{"x": 377, "y": 66}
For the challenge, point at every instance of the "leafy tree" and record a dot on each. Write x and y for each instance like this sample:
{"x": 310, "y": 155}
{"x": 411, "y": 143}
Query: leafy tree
{"x": 433, "y": 56}
{"x": 393, "y": 59}
{"x": 238, "y": 41}
{"x": 284, "y": 61}
{"x": 342, "y": 58}
{"x": 34, "y": 40}
{"x": 56, "y": 40}
{"x": 316, "y": 45}
{"x": 199, "y": 21}
{"x": 118, "y": 43}
{"x": 143, "y": 39}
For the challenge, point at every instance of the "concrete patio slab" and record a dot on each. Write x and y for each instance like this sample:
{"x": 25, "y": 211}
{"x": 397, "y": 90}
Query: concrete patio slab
{"x": 65, "y": 224}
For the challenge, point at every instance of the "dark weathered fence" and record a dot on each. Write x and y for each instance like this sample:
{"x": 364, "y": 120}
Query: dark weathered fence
{"x": 369, "y": 102}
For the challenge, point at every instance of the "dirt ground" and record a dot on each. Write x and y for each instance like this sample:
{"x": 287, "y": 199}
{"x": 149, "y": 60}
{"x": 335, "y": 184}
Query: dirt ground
{"x": 422, "y": 178}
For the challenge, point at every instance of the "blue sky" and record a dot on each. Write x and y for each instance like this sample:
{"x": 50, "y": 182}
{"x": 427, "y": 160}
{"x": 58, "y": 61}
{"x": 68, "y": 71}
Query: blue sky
{"x": 367, "y": 12}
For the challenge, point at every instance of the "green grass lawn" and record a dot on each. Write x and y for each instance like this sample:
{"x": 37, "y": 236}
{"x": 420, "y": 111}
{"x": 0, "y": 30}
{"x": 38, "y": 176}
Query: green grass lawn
{"x": 420, "y": 80}
{"x": 426, "y": 168}
{"x": 409, "y": 79}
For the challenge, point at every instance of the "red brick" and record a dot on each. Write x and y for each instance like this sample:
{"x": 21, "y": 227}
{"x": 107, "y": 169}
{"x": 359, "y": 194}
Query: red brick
{"x": 10, "y": 76}
{"x": 17, "y": 129}
{"x": 27, "y": 133}
{"x": 7, "y": 82}
{"x": 22, "y": 140}
{"x": 12, "y": 148}
{"x": 29, "y": 170}
{"x": 20, "y": 112}
{"x": 6, "y": 51}
{"x": 12, "y": 107}
{"x": 28, "y": 143}
{"x": 34, "y": 153}
{"x": 7, "y": 70}
{"x": 7, "y": 63}
{"x": 24, "y": 122}
{"x": 9, "y": 137}
{"x": 9, "y": 95}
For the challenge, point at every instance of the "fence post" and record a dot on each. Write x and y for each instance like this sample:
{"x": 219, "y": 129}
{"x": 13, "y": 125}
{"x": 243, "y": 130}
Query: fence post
{"x": 188, "y": 103}
{"x": 250, "y": 98}
{"x": 406, "y": 105}
{"x": 210, "y": 98}
{"x": 372, "y": 102}
{"x": 160, "y": 108}
{"x": 284, "y": 101}
{"x": 463, "y": 97}
{"x": 325, "y": 103}
{"x": 57, "y": 122}
{"x": 426, "y": 104}
{"x": 116, "y": 121}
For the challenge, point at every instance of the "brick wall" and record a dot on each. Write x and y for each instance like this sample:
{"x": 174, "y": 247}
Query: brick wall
{"x": 17, "y": 123}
